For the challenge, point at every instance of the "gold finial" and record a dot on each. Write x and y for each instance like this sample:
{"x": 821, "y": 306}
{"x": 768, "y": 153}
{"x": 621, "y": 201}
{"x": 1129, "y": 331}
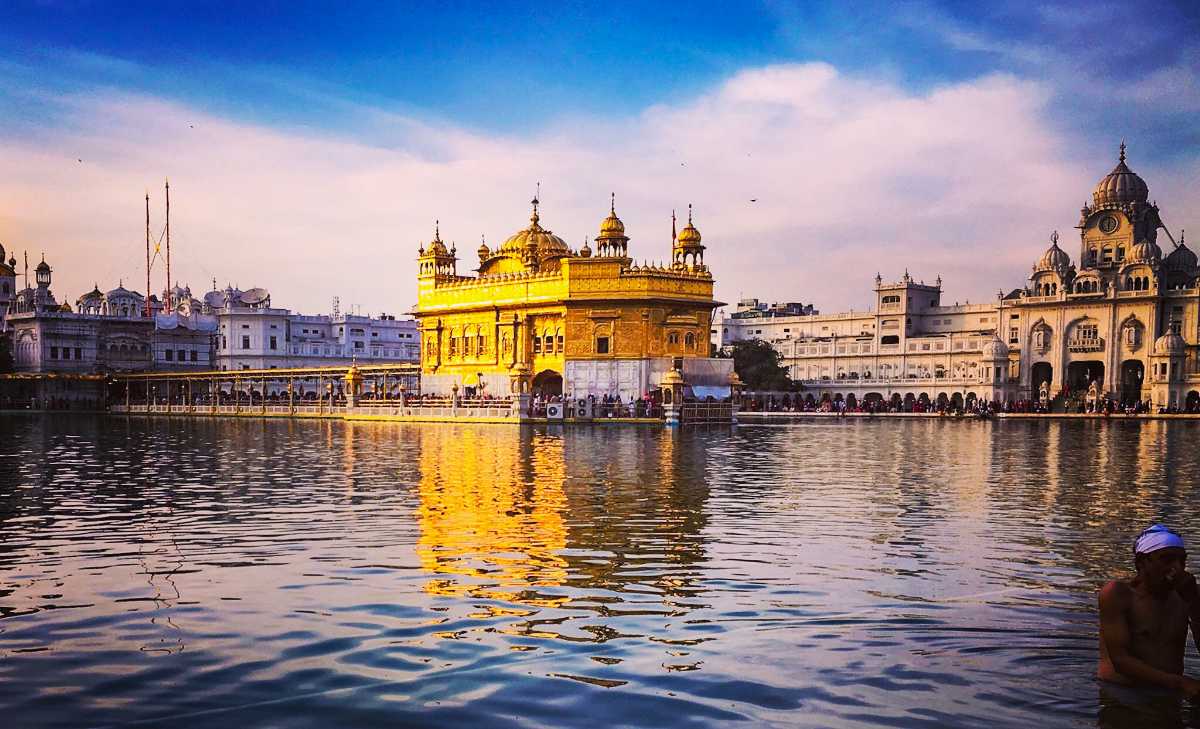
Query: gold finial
{"x": 535, "y": 202}
{"x": 689, "y": 213}
{"x": 673, "y": 234}
{"x": 1054, "y": 239}
{"x": 612, "y": 203}
{"x": 1122, "y": 150}
{"x": 437, "y": 230}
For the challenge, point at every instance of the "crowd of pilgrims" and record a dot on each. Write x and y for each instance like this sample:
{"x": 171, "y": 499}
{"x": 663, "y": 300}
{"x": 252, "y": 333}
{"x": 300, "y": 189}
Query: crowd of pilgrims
{"x": 972, "y": 406}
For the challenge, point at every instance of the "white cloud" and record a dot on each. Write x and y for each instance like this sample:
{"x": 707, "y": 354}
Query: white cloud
{"x": 850, "y": 175}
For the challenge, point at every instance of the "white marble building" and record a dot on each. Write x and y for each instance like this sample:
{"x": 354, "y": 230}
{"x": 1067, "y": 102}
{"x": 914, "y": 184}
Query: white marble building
{"x": 252, "y": 334}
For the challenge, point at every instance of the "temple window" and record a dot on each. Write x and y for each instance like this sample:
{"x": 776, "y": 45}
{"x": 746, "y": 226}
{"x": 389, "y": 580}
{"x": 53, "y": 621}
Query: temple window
{"x": 560, "y": 343}
{"x": 689, "y": 341}
{"x": 602, "y": 345}
{"x": 549, "y": 340}
{"x": 537, "y": 344}
{"x": 480, "y": 344}
{"x": 1120, "y": 253}
{"x": 1106, "y": 255}
{"x": 672, "y": 338}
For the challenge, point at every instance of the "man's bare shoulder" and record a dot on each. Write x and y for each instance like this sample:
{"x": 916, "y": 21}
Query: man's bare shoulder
{"x": 1116, "y": 592}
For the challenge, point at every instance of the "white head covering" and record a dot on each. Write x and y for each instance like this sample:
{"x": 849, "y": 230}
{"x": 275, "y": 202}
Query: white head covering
{"x": 1155, "y": 538}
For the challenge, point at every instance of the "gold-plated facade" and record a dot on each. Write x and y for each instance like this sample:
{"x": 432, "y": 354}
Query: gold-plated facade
{"x": 541, "y": 317}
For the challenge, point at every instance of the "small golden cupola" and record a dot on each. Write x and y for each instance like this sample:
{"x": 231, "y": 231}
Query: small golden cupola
{"x": 436, "y": 260}
{"x": 687, "y": 251}
{"x": 612, "y": 241}
{"x": 483, "y": 251}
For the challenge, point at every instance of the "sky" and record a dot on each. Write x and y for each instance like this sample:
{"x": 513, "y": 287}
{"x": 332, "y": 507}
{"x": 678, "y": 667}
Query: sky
{"x": 311, "y": 147}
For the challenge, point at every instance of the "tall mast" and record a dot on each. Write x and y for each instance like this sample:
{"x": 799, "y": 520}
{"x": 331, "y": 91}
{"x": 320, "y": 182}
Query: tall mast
{"x": 167, "y": 303}
{"x": 147, "y": 299}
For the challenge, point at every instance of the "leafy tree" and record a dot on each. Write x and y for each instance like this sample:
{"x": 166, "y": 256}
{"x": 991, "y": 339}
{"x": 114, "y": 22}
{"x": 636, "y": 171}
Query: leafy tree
{"x": 757, "y": 363}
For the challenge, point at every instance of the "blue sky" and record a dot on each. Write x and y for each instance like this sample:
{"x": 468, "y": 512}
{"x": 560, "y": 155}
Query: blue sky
{"x": 418, "y": 80}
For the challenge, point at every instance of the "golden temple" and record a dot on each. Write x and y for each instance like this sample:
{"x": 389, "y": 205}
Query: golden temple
{"x": 542, "y": 318}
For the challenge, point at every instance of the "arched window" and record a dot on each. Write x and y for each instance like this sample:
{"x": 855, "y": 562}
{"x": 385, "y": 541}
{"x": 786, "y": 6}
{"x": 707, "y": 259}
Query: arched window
{"x": 1129, "y": 283}
{"x": 672, "y": 338}
{"x": 549, "y": 343}
{"x": 559, "y": 344}
{"x": 537, "y": 344}
{"x": 689, "y": 341}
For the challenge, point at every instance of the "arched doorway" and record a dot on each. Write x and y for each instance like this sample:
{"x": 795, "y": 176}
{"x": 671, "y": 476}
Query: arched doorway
{"x": 956, "y": 401}
{"x": 943, "y": 401}
{"x": 1080, "y": 375}
{"x": 1043, "y": 372}
{"x": 547, "y": 383}
{"x": 909, "y": 401}
{"x": 1192, "y": 403}
{"x": 851, "y": 401}
{"x": 1133, "y": 372}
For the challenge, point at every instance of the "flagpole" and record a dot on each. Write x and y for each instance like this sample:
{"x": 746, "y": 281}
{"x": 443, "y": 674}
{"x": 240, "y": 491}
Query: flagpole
{"x": 167, "y": 300}
{"x": 147, "y": 255}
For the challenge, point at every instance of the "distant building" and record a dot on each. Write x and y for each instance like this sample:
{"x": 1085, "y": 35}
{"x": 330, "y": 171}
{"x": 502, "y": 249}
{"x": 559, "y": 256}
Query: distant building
{"x": 254, "y": 335}
{"x": 1123, "y": 325}
{"x": 107, "y": 332}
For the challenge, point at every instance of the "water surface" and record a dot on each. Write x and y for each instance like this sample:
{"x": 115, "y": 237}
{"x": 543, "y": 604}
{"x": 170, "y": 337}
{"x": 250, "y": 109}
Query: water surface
{"x": 906, "y": 573}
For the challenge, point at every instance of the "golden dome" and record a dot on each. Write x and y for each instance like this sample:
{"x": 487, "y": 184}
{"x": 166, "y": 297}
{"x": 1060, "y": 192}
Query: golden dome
{"x": 436, "y": 246}
{"x": 546, "y": 243}
{"x": 612, "y": 227}
{"x": 689, "y": 235}
{"x": 1122, "y": 185}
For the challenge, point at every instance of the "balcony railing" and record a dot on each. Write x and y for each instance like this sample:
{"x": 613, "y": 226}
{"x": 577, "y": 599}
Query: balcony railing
{"x": 1085, "y": 344}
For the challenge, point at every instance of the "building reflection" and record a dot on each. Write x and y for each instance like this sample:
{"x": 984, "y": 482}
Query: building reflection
{"x": 591, "y": 519}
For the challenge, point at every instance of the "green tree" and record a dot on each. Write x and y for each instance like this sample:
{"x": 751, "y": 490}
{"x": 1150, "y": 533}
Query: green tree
{"x": 757, "y": 363}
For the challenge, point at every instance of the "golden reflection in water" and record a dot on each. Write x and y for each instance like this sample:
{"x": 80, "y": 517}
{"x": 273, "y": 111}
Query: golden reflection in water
{"x": 491, "y": 513}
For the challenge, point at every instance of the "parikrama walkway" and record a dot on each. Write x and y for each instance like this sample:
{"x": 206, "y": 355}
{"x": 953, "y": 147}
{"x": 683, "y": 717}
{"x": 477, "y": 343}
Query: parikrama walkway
{"x": 370, "y": 392}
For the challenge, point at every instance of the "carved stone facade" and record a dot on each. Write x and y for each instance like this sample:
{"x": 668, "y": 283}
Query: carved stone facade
{"x": 542, "y": 317}
{"x": 1124, "y": 323}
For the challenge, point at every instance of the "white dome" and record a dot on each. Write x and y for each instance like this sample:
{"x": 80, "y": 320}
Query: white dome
{"x": 995, "y": 348}
{"x": 1145, "y": 250}
{"x": 1169, "y": 343}
{"x": 1055, "y": 258}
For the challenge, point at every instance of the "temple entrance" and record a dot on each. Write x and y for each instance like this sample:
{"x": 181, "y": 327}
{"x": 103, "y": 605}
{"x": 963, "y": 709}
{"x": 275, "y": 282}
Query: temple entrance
{"x": 1133, "y": 372}
{"x": 548, "y": 383}
{"x": 1043, "y": 372}
{"x": 1080, "y": 375}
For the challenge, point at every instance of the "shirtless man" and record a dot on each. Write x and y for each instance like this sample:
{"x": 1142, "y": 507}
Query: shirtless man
{"x": 1144, "y": 620}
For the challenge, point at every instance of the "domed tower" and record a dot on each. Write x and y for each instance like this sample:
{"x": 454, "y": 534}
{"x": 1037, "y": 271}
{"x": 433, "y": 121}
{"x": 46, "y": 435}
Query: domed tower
{"x": 687, "y": 252}
{"x": 1180, "y": 265}
{"x": 1121, "y": 222}
{"x": 612, "y": 241}
{"x": 436, "y": 260}
{"x": 42, "y": 274}
{"x": 483, "y": 252}
{"x": 1053, "y": 271}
